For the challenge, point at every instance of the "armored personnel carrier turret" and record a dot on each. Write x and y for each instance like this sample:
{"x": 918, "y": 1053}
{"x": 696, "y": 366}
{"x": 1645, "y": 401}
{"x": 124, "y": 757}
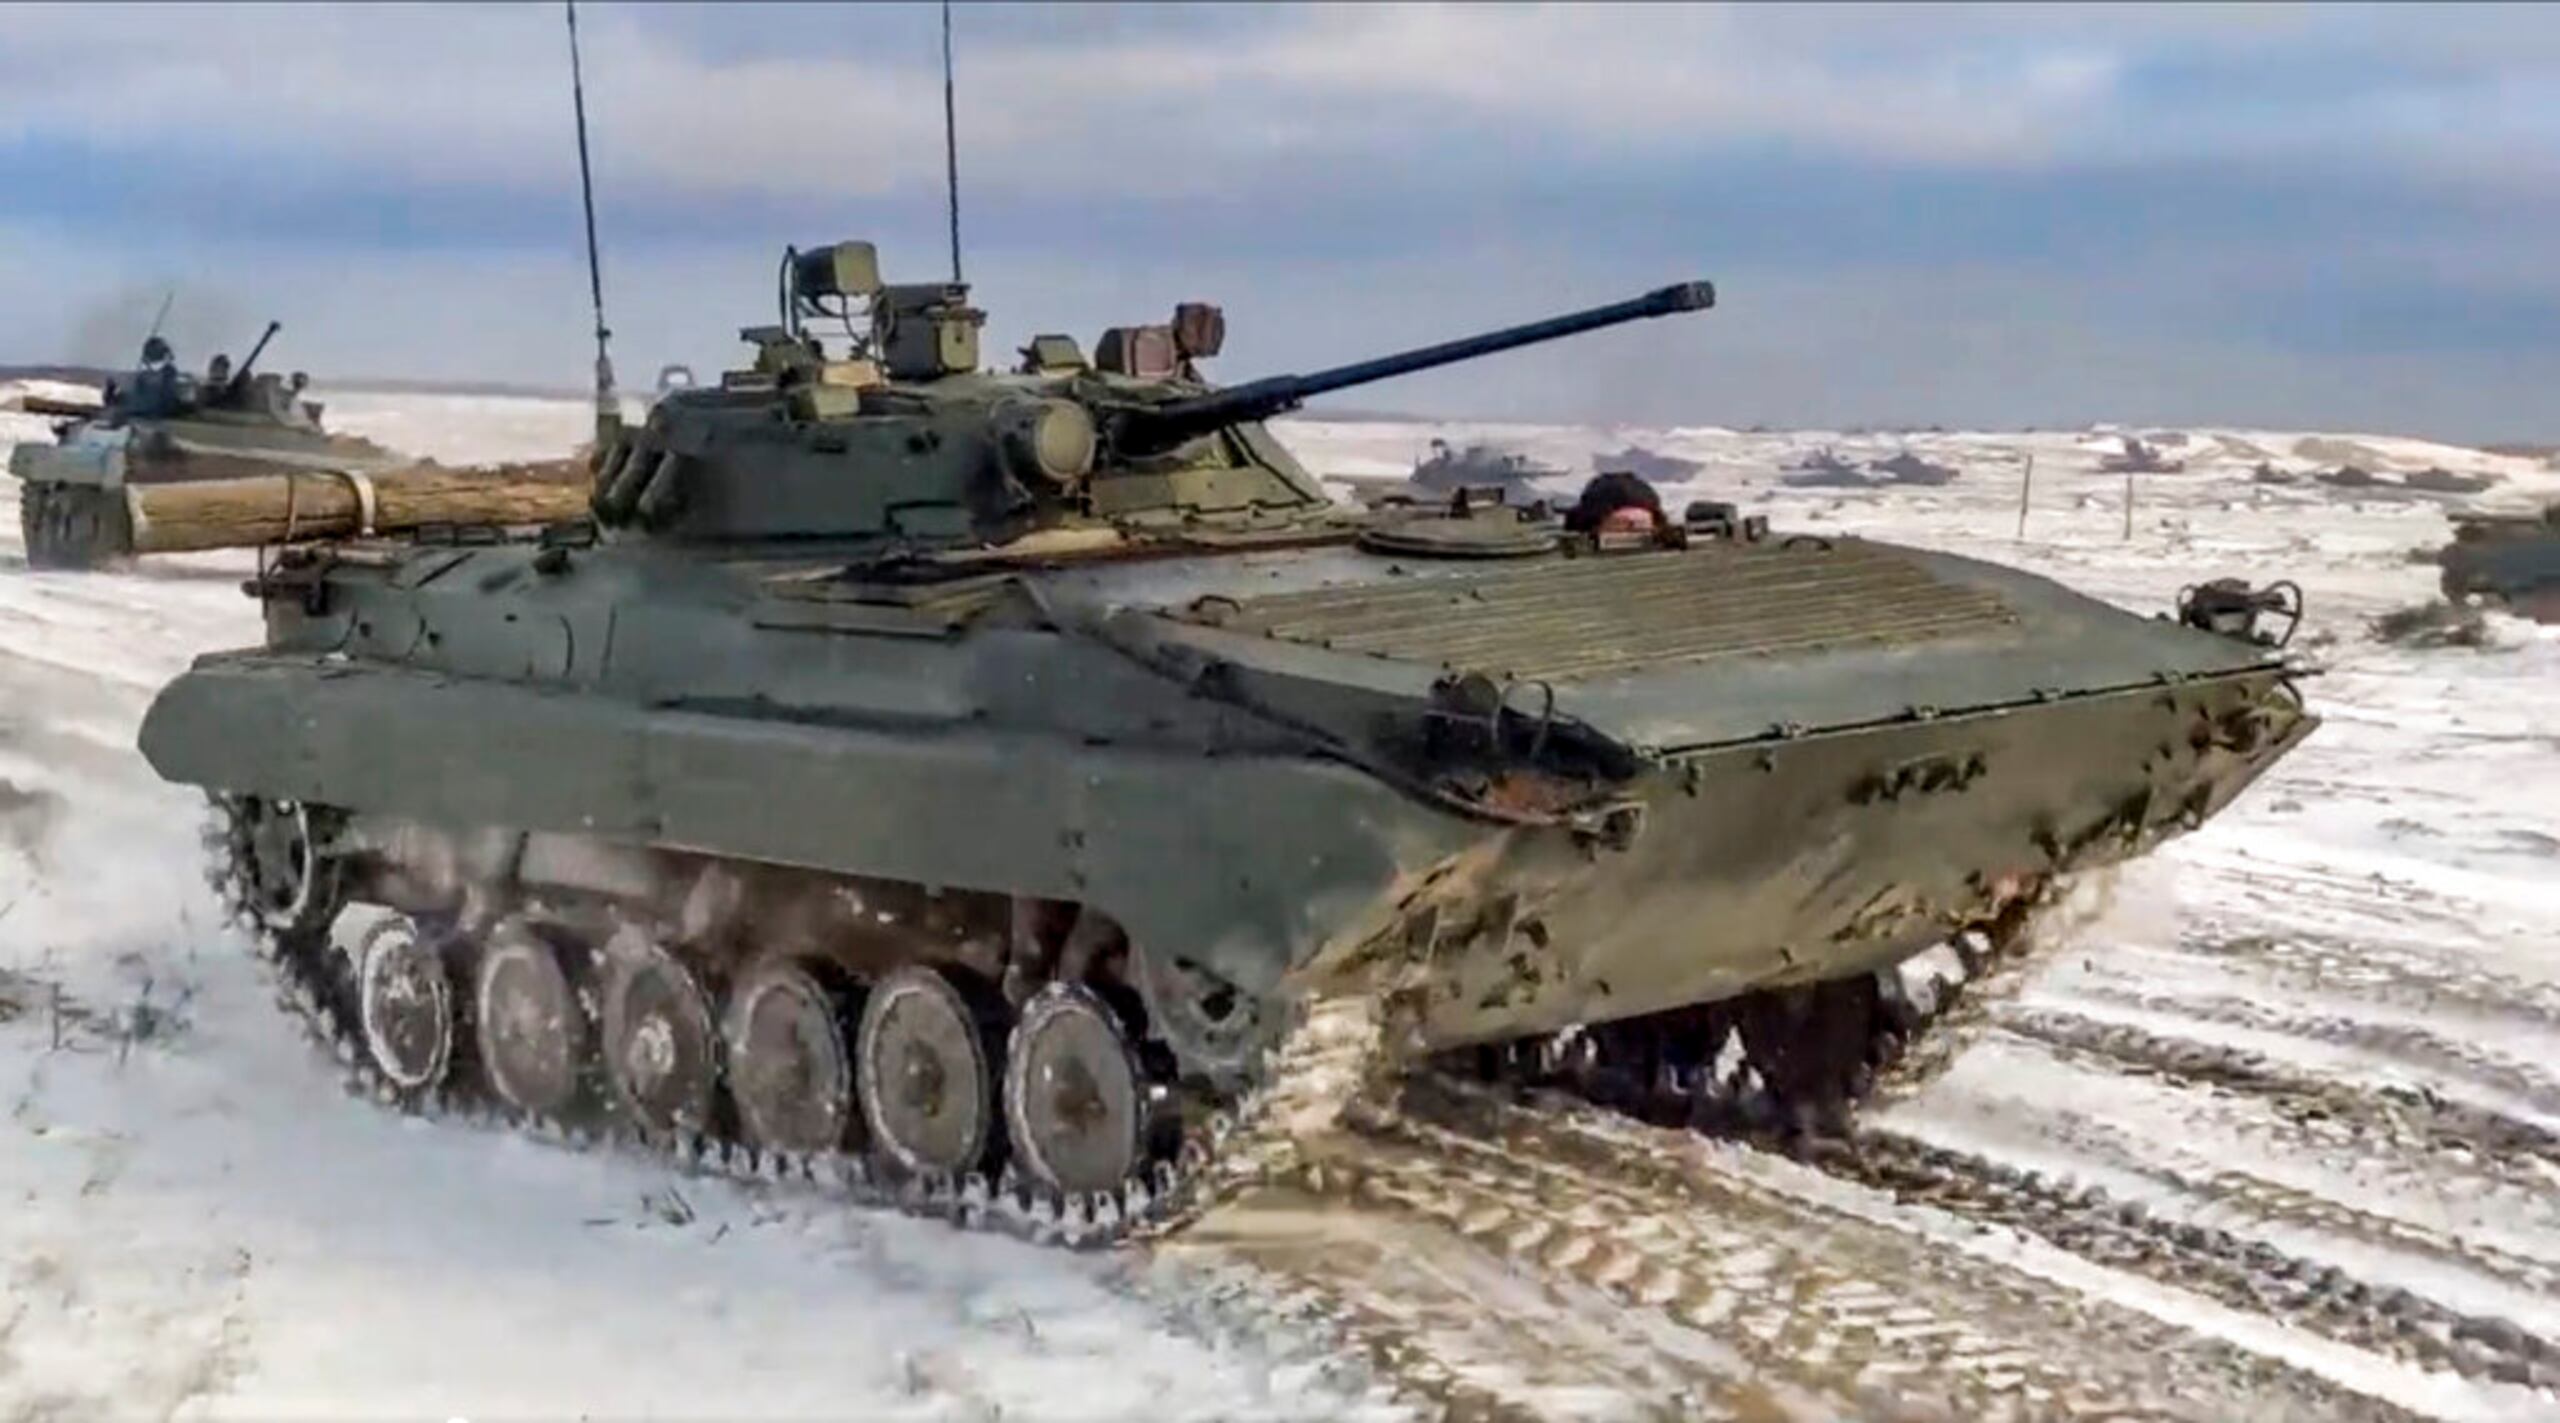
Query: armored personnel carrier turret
{"x": 968, "y": 786}
{"x": 162, "y": 425}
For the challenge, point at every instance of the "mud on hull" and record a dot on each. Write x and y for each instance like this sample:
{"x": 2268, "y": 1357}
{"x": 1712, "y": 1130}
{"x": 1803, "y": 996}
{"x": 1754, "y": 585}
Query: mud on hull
{"x": 1827, "y": 856}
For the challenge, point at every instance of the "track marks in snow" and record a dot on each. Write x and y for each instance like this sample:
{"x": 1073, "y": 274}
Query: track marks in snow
{"x": 1807, "y": 1292}
{"x": 2315, "y": 1202}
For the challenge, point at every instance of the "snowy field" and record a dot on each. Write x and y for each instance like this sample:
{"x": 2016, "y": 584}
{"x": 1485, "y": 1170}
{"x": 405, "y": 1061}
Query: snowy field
{"x": 2329, "y": 1023}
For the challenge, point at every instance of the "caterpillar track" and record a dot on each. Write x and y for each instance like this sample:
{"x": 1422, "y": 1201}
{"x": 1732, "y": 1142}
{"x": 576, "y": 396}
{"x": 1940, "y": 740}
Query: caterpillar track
{"x": 322, "y": 983}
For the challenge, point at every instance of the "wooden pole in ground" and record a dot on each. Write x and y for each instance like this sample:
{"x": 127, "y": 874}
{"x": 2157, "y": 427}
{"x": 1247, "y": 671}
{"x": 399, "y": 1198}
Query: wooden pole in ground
{"x": 2026, "y": 483}
{"x": 2128, "y": 506}
{"x": 280, "y": 508}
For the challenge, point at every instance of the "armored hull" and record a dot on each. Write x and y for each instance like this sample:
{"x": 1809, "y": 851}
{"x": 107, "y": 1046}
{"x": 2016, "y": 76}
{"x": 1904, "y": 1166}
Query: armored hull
{"x": 1006, "y": 776}
{"x": 1790, "y": 764}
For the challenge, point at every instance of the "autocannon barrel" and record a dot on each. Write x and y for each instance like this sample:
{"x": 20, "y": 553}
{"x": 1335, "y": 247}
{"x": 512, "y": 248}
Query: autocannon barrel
{"x": 240, "y": 377}
{"x": 1158, "y": 426}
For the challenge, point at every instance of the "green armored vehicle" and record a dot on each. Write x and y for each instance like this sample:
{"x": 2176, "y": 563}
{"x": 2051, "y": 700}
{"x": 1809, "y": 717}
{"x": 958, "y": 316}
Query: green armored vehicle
{"x": 2510, "y": 559}
{"x": 162, "y": 425}
{"x": 1445, "y": 470}
{"x": 967, "y": 779}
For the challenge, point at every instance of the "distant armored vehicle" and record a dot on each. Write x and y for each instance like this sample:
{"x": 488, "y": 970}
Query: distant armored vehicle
{"x": 2436, "y": 479}
{"x": 1445, "y": 470}
{"x": 961, "y": 785}
{"x": 1650, "y": 466}
{"x": 160, "y": 425}
{"x": 2139, "y": 457}
{"x": 1824, "y": 469}
{"x": 2510, "y": 560}
{"x": 1908, "y": 468}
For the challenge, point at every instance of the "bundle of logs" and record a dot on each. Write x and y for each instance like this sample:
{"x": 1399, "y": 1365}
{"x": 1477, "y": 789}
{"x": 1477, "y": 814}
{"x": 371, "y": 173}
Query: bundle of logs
{"x": 285, "y": 508}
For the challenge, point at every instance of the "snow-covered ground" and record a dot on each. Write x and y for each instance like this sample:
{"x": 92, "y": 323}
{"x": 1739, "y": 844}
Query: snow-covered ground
{"x": 198, "y": 1224}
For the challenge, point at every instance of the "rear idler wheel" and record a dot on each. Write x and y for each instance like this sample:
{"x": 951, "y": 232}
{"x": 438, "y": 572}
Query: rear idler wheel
{"x": 532, "y": 1028}
{"x": 404, "y": 1000}
{"x": 661, "y": 1052}
{"x": 923, "y": 1072}
{"x": 1074, "y": 1099}
{"x": 790, "y": 1071}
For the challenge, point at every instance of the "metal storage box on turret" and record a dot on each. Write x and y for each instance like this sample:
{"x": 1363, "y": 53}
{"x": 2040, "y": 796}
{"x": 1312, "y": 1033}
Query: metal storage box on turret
{"x": 969, "y": 778}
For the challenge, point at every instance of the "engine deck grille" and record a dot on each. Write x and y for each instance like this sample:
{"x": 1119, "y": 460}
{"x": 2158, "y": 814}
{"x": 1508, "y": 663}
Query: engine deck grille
{"x": 1597, "y": 616}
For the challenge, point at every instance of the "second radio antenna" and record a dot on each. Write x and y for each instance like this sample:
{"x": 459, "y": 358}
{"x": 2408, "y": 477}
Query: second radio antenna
{"x": 950, "y": 146}
{"x": 608, "y": 408}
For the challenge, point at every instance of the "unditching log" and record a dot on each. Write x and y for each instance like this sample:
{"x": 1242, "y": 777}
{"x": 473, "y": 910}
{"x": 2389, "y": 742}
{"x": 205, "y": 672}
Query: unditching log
{"x": 289, "y": 508}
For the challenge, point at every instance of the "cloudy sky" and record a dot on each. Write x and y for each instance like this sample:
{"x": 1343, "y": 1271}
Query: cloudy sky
{"x": 1997, "y": 216}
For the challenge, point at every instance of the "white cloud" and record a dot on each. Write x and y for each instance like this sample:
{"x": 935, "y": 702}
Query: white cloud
{"x": 1274, "y": 115}
{"x": 477, "y": 94}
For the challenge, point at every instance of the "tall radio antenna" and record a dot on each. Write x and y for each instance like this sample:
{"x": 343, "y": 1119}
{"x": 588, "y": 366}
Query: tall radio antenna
{"x": 608, "y": 408}
{"x": 950, "y": 146}
{"x": 165, "y": 298}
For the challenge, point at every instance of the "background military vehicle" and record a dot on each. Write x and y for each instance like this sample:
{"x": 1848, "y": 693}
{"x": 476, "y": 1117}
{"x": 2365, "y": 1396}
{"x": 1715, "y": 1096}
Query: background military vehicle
{"x": 1825, "y": 469}
{"x": 1446, "y": 470}
{"x": 1904, "y": 467}
{"x": 2512, "y": 560}
{"x": 2436, "y": 479}
{"x": 970, "y": 784}
{"x": 1651, "y": 466}
{"x": 2139, "y": 456}
{"x": 160, "y": 425}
